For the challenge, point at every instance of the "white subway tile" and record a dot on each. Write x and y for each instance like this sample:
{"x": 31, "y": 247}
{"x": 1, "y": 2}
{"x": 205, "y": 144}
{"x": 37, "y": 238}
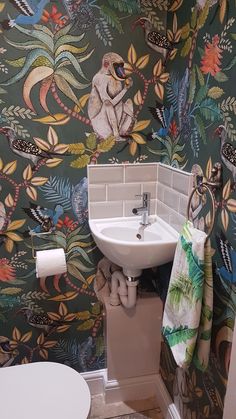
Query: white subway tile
{"x": 181, "y": 182}
{"x": 171, "y": 198}
{"x": 165, "y": 175}
{"x": 106, "y": 174}
{"x": 176, "y": 221}
{"x": 117, "y": 192}
{"x": 183, "y": 203}
{"x": 141, "y": 173}
{"x": 163, "y": 211}
{"x": 129, "y": 205}
{"x": 160, "y": 192}
{"x": 150, "y": 187}
{"x": 97, "y": 193}
{"x": 105, "y": 209}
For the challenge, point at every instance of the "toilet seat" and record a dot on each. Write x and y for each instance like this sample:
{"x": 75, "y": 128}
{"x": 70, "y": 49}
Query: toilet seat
{"x": 43, "y": 390}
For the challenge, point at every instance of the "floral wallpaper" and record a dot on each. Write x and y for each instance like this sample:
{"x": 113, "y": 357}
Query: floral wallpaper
{"x": 76, "y": 80}
{"x": 88, "y": 82}
{"x": 201, "y": 93}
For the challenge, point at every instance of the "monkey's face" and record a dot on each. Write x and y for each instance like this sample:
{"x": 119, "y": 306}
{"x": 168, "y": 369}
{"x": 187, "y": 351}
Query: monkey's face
{"x": 114, "y": 65}
{"x": 119, "y": 71}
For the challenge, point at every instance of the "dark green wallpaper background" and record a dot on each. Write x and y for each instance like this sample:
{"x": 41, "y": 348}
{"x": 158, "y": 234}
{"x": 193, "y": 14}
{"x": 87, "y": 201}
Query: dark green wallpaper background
{"x": 201, "y": 90}
{"x": 47, "y": 63}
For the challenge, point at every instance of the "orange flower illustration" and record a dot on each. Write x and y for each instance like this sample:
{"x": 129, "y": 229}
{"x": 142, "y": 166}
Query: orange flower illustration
{"x": 68, "y": 223}
{"x": 211, "y": 60}
{"x": 7, "y": 272}
{"x": 173, "y": 130}
{"x": 54, "y": 16}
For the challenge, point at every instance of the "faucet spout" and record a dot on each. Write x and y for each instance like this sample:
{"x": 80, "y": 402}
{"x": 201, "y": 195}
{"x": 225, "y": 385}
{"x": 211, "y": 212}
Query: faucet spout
{"x": 144, "y": 211}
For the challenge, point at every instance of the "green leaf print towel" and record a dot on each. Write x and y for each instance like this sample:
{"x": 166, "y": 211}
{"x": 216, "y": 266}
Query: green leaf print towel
{"x": 188, "y": 309}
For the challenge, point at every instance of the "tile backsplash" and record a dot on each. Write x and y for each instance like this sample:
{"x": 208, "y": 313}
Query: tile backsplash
{"x": 113, "y": 190}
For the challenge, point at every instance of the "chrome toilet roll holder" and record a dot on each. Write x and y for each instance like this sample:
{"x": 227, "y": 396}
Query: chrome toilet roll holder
{"x": 33, "y": 235}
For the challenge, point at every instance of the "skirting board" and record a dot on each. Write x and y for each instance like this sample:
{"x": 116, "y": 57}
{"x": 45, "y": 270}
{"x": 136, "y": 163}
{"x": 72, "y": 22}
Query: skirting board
{"x": 95, "y": 380}
{"x": 132, "y": 389}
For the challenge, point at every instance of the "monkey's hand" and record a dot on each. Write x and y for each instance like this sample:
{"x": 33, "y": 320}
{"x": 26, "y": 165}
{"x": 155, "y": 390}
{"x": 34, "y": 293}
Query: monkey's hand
{"x": 128, "y": 83}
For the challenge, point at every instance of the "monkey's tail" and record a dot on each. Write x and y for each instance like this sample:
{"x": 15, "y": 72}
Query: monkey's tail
{"x": 66, "y": 109}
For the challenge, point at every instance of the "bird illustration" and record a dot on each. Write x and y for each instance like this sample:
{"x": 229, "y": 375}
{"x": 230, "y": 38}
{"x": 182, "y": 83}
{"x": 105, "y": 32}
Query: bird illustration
{"x": 45, "y": 218}
{"x": 155, "y": 40}
{"x": 79, "y": 200}
{"x": 228, "y": 255}
{"x": 39, "y": 321}
{"x": 24, "y": 148}
{"x": 164, "y": 116}
{"x": 30, "y": 12}
{"x": 227, "y": 151}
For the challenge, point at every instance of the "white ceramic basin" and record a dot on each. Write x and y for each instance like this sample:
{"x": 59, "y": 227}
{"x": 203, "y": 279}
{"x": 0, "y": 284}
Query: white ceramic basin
{"x": 134, "y": 247}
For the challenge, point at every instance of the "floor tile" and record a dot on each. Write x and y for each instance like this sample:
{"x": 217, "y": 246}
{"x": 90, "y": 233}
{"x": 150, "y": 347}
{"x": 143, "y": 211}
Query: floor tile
{"x": 150, "y": 414}
{"x": 101, "y": 410}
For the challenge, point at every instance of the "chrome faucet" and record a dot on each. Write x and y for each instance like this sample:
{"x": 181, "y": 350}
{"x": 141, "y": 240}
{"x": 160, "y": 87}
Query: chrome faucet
{"x": 144, "y": 211}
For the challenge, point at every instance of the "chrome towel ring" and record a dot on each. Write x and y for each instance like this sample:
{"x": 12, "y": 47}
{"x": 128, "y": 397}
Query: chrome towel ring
{"x": 199, "y": 189}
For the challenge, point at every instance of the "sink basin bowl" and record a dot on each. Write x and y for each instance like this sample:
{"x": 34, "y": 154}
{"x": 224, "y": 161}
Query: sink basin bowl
{"x": 132, "y": 246}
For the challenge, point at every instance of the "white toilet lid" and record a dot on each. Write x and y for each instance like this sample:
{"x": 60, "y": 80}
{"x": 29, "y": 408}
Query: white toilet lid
{"x": 43, "y": 390}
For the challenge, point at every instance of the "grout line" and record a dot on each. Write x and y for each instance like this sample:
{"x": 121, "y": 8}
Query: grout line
{"x": 106, "y": 186}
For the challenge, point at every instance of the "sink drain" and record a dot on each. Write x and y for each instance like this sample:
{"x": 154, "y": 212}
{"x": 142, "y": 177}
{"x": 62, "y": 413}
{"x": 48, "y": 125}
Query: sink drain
{"x": 138, "y": 236}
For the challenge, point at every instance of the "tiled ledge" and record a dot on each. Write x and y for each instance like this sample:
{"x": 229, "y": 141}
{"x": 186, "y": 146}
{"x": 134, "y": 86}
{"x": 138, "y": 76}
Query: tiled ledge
{"x": 113, "y": 190}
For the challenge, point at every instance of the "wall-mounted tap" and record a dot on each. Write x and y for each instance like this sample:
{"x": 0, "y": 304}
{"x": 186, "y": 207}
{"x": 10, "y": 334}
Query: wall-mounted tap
{"x": 144, "y": 211}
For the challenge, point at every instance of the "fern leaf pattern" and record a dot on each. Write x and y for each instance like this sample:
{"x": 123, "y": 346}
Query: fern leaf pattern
{"x": 58, "y": 190}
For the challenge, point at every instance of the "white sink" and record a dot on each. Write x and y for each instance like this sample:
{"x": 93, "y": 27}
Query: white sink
{"x": 132, "y": 246}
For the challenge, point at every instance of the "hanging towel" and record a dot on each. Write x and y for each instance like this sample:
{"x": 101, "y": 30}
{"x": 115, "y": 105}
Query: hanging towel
{"x": 188, "y": 308}
{"x": 202, "y": 352}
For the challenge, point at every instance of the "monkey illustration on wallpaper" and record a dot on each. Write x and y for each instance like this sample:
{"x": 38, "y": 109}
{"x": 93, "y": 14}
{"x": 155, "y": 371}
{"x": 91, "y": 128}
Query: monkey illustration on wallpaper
{"x": 108, "y": 112}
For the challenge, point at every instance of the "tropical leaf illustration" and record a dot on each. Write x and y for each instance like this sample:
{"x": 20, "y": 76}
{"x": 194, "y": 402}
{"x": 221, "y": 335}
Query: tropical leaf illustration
{"x": 170, "y": 153}
{"x": 195, "y": 264}
{"x": 46, "y": 64}
{"x": 178, "y": 334}
{"x": 58, "y": 190}
{"x": 182, "y": 288}
{"x": 195, "y": 138}
{"x": 210, "y": 110}
{"x": 103, "y": 32}
{"x": 172, "y": 90}
{"x": 74, "y": 353}
{"x": 126, "y": 6}
{"x": 111, "y": 18}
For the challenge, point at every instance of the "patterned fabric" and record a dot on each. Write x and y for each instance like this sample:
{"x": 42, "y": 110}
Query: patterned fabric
{"x": 202, "y": 352}
{"x": 188, "y": 309}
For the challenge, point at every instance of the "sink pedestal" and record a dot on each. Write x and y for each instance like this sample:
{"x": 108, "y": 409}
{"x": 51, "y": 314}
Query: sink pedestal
{"x": 133, "y": 340}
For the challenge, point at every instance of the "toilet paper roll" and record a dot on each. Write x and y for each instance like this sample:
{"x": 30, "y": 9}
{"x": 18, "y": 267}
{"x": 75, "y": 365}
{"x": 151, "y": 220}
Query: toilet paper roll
{"x": 50, "y": 262}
